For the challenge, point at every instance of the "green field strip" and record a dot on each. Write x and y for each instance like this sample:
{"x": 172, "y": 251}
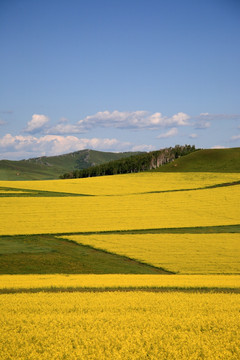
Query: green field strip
{"x": 46, "y": 254}
{"x": 234, "y": 183}
{"x": 161, "y": 289}
{"x": 235, "y": 228}
{"x": 183, "y": 230}
{"x": 18, "y": 192}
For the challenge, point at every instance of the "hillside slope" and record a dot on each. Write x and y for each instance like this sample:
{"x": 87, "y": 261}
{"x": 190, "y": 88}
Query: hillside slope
{"x": 207, "y": 160}
{"x": 50, "y": 167}
{"x": 135, "y": 163}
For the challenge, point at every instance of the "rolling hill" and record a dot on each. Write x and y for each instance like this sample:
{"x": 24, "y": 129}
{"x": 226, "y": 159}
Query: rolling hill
{"x": 51, "y": 167}
{"x": 206, "y": 160}
{"x": 135, "y": 163}
{"x": 178, "y": 159}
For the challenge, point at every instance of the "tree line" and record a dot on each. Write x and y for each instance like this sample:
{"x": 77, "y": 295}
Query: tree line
{"x": 133, "y": 164}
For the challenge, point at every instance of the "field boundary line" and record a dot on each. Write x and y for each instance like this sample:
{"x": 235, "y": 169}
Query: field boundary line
{"x": 53, "y": 289}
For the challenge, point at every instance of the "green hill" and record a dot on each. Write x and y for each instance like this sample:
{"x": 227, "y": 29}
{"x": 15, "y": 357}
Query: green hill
{"x": 207, "y": 160}
{"x": 51, "y": 167}
{"x": 135, "y": 163}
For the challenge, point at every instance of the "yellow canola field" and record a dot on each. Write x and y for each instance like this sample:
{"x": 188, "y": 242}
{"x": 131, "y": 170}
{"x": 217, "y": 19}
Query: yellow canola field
{"x": 119, "y": 326}
{"x": 184, "y": 253}
{"x": 219, "y": 206}
{"x": 127, "y": 184}
{"x": 117, "y": 281}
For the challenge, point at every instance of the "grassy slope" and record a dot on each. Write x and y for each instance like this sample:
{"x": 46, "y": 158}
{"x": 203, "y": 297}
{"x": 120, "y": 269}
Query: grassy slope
{"x": 79, "y": 159}
{"x": 208, "y": 160}
{"x": 52, "y": 167}
{"x": 45, "y": 254}
{"x": 23, "y": 170}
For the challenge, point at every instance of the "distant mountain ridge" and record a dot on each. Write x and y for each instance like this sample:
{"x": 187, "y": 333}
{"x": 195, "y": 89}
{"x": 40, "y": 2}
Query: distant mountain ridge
{"x": 51, "y": 167}
{"x": 134, "y": 163}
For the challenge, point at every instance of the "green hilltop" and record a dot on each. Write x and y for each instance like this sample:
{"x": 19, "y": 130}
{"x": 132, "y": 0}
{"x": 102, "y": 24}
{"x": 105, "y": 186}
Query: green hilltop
{"x": 206, "y": 160}
{"x": 51, "y": 167}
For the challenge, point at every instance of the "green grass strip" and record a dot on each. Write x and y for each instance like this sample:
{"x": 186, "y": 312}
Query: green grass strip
{"x": 35, "y": 193}
{"x": 46, "y": 254}
{"x": 233, "y": 183}
{"x": 182, "y": 230}
{"x": 70, "y": 289}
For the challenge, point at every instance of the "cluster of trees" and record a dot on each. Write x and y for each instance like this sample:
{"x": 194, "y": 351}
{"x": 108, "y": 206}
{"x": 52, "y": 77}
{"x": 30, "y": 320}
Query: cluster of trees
{"x": 136, "y": 163}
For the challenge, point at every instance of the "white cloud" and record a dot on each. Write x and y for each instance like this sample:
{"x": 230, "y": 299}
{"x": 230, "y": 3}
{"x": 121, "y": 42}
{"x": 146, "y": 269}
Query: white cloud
{"x": 203, "y": 121}
{"x": 37, "y": 123}
{"x": 64, "y": 128}
{"x": 218, "y": 147}
{"x": 134, "y": 119}
{"x": 2, "y": 122}
{"x": 117, "y": 119}
{"x": 138, "y": 120}
{"x": 180, "y": 119}
{"x": 170, "y": 133}
{"x": 123, "y": 120}
{"x": 193, "y": 136}
{"x": 17, "y": 147}
{"x": 143, "y": 147}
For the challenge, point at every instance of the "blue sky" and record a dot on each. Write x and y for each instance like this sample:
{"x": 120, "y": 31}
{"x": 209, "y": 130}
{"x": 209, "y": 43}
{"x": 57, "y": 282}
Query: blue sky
{"x": 117, "y": 75}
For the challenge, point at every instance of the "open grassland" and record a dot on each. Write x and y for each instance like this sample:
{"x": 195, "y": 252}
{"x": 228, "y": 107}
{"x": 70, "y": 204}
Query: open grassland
{"x": 181, "y": 253}
{"x": 211, "y": 207}
{"x": 127, "y": 184}
{"x": 136, "y": 325}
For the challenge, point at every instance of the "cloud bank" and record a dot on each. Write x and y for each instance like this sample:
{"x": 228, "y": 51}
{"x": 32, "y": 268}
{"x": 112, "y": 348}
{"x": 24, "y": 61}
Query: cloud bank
{"x": 30, "y": 146}
{"x": 106, "y": 119}
{"x": 40, "y": 138}
{"x": 134, "y": 120}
